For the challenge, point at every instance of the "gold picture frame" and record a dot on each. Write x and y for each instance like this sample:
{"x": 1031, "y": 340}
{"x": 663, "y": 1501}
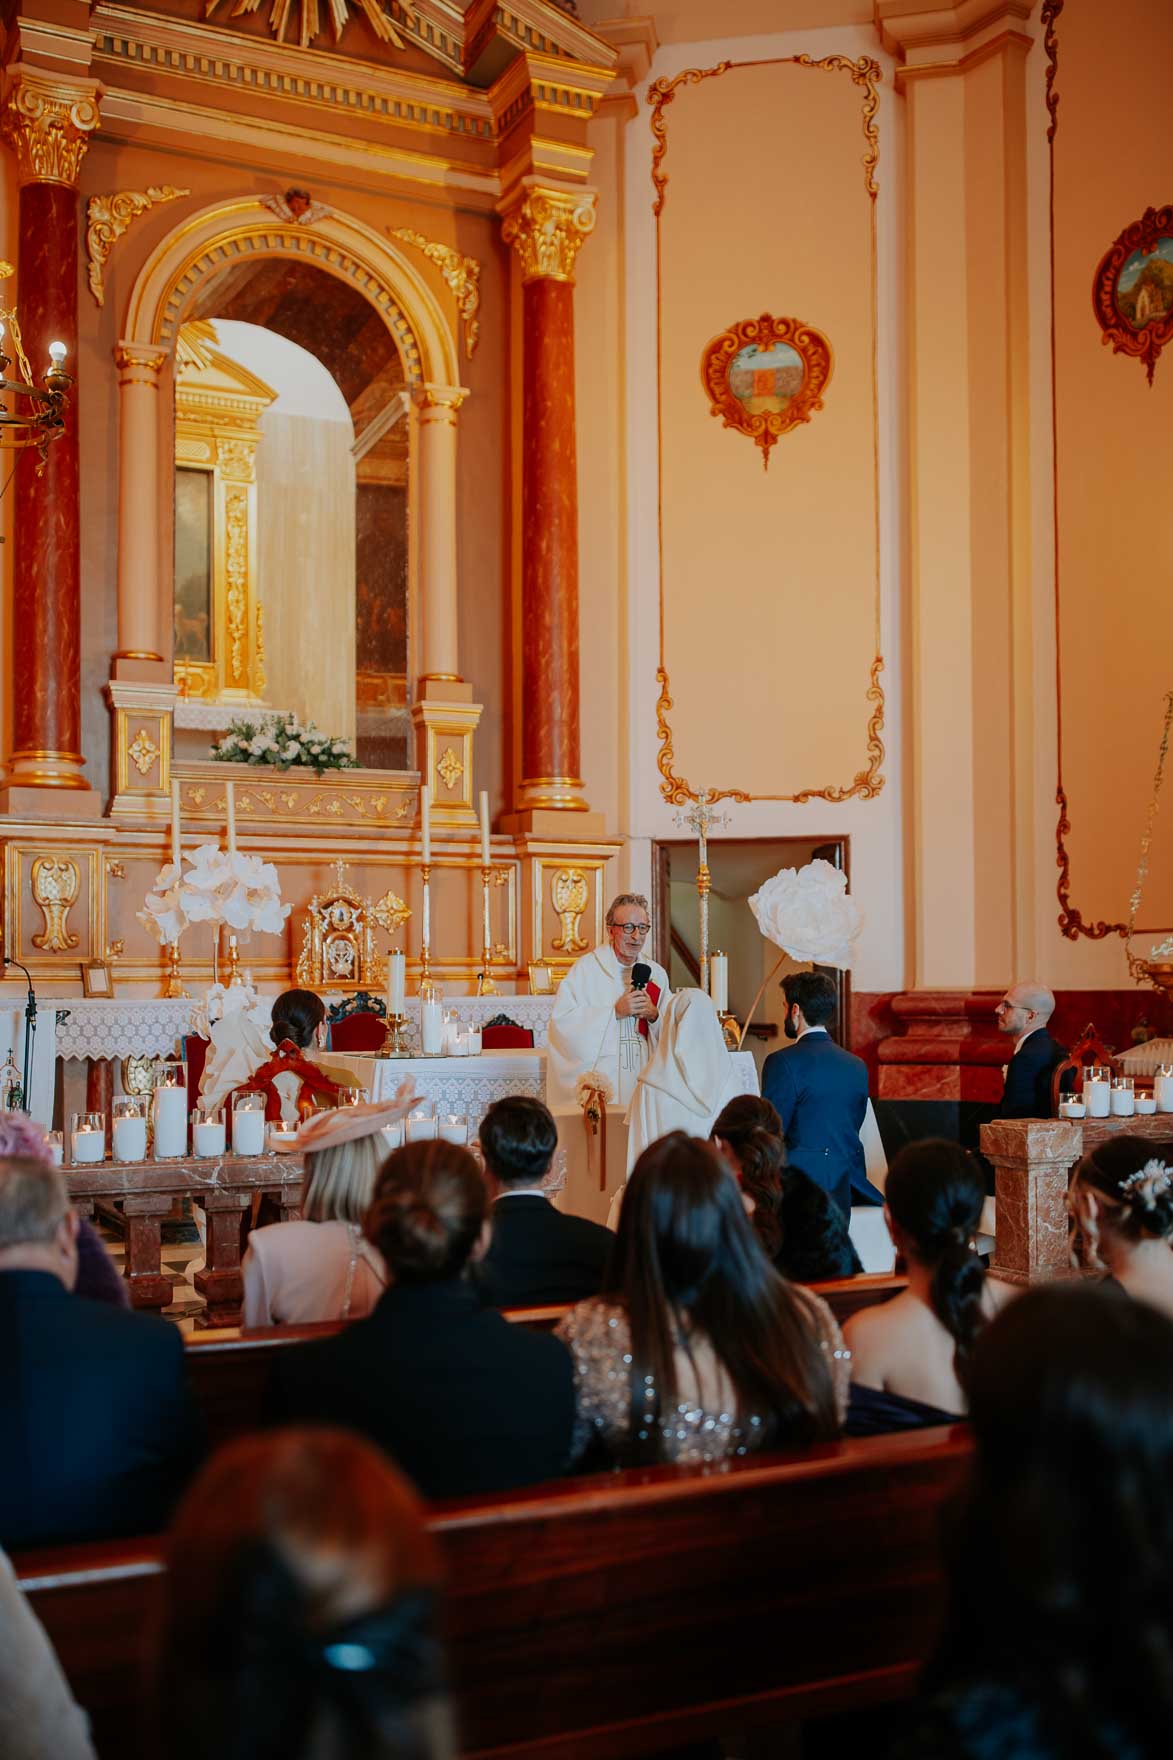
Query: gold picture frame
{"x": 97, "y": 979}
{"x": 541, "y": 978}
{"x": 764, "y": 376}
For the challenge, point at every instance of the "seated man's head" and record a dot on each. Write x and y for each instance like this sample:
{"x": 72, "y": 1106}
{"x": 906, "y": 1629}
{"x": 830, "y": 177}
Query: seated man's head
{"x": 628, "y": 926}
{"x": 518, "y": 1139}
{"x": 38, "y": 1225}
{"x": 811, "y": 1001}
{"x": 1025, "y": 1007}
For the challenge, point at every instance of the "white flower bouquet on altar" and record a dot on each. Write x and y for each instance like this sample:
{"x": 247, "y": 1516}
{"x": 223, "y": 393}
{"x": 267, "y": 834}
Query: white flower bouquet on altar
{"x": 220, "y": 887}
{"x": 283, "y": 743}
{"x": 807, "y": 913}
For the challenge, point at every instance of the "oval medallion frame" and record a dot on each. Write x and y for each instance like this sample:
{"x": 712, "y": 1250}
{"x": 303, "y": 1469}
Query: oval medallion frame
{"x": 762, "y": 354}
{"x": 1151, "y": 303}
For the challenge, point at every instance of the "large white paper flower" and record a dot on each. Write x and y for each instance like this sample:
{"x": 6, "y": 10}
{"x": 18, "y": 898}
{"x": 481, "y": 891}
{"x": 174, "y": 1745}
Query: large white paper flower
{"x": 163, "y": 910}
{"x": 806, "y": 912}
{"x": 239, "y": 890}
{"x": 223, "y": 1000}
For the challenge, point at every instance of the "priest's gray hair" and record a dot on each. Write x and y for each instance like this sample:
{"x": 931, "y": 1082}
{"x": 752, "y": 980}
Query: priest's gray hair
{"x": 623, "y": 898}
{"x": 1029, "y": 993}
{"x": 33, "y": 1200}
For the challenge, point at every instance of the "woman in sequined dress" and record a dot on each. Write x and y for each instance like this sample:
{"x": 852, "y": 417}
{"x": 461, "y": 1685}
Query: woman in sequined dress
{"x": 697, "y": 1349}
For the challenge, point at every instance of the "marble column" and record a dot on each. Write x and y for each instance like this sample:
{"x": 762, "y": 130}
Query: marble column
{"x": 48, "y": 124}
{"x": 546, "y": 228}
{"x": 438, "y": 406}
{"x": 139, "y": 368}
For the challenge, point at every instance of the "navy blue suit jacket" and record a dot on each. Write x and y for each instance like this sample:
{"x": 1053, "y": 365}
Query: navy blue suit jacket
{"x": 1027, "y": 1092}
{"x": 539, "y": 1254}
{"x": 821, "y": 1095}
{"x": 99, "y": 1430}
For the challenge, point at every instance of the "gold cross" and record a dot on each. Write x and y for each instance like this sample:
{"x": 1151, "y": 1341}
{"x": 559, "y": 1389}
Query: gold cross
{"x": 341, "y": 866}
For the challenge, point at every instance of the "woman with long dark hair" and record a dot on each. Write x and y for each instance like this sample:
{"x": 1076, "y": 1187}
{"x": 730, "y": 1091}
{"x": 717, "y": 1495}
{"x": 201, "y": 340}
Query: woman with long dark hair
{"x": 299, "y": 1621}
{"x": 910, "y": 1355}
{"x": 803, "y": 1232}
{"x": 697, "y": 1349}
{"x": 1059, "y": 1636}
{"x": 1122, "y": 1200}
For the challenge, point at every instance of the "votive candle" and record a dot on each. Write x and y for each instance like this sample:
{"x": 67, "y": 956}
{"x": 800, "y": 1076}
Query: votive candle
{"x": 248, "y": 1130}
{"x": 129, "y": 1138}
{"x": 209, "y": 1136}
{"x": 89, "y": 1143}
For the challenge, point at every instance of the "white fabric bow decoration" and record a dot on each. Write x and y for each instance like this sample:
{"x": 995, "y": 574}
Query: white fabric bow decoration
{"x": 807, "y": 913}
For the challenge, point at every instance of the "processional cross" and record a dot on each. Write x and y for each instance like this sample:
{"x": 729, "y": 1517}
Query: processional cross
{"x": 702, "y": 818}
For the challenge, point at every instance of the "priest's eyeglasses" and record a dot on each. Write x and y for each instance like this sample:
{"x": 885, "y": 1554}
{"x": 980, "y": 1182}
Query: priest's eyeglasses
{"x": 637, "y": 931}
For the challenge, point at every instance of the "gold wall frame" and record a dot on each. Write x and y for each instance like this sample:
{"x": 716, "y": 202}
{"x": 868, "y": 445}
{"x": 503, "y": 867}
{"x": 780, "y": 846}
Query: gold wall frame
{"x": 865, "y": 73}
{"x": 218, "y": 407}
{"x": 762, "y": 337}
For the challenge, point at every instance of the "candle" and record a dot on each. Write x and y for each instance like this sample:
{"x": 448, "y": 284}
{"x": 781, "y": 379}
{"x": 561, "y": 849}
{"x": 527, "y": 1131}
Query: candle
{"x": 1097, "y": 1097}
{"x": 474, "y": 1041}
{"x": 719, "y": 982}
{"x": 396, "y": 983}
{"x": 394, "y": 1134}
{"x": 248, "y": 1130}
{"x": 421, "y": 1127}
{"x": 56, "y": 1148}
{"x": 1073, "y": 1109}
{"x": 208, "y": 1136}
{"x": 1123, "y": 1101}
{"x": 1163, "y": 1089}
{"x": 282, "y": 1136}
{"x": 170, "y": 1121}
{"x": 425, "y": 824}
{"x": 459, "y": 1045}
{"x": 1146, "y": 1104}
{"x": 486, "y": 854}
{"x": 432, "y": 1028}
{"x": 230, "y": 791}
{"x": 130, "y": 1138}
{"x": 89, "y": 1143}
{"x": 454, "y": 1128}
{"x": 175, "y": 843}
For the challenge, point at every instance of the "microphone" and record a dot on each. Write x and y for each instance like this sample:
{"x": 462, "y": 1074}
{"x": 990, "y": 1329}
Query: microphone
{"x": 640, "y": 973}
{"x": 30, "y": 1030}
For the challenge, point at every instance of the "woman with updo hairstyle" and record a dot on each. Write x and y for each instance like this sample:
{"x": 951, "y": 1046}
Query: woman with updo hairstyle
{"x": 803, "y": 1231}
{"x": 1122, "y": 1201}
{"x": 300, "y": 1611}
{"x": 297, "y": 1015}
{"x": 911, "y": 1355}
{"x": 697, "y": 1350}
{"x": 461, "y": 1399}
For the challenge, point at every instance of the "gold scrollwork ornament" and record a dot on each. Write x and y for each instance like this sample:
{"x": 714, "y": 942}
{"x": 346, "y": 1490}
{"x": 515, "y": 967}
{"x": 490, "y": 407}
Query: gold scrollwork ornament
{"x": 55, "y": 882}
{"x": 547, "y": 230}
{"x": 570, "y": 896}
{"x": 107, "y": 218}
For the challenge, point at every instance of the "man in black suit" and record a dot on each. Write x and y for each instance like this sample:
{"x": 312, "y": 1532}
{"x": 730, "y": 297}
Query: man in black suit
{"x": 821, "y": 1094}
{"x": 536, "y": 1254}
{"x": 1023, "y": 1014}
{"x": 99, "y": 1430}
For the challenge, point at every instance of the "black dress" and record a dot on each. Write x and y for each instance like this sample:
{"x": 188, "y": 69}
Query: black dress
{"x": 816, "y": 1246}
{"x": 871, "y": 1411}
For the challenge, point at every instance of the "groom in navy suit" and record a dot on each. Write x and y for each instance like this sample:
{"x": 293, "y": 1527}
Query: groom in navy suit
{"x": 821, "y": 1094}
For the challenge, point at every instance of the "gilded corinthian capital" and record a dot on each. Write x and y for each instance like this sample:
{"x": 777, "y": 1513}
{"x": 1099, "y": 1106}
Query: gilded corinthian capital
{"x": 48, "y": 124}
{"x": 547, "y": 228}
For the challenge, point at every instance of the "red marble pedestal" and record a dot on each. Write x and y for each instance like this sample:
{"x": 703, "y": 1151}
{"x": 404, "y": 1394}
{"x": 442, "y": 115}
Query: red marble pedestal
{"x": 949, "y": 1047}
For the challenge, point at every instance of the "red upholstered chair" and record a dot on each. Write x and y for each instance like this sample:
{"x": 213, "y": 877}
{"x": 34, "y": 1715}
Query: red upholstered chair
{"x": 316, "y": 1085}
{"x": 358, "y": 1032}
{"x": 502, "y": 1034}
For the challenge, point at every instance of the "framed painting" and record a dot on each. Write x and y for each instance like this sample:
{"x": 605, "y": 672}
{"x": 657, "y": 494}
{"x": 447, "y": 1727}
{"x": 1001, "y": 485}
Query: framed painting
{"x": 1133, "y": 289}
{"x": 765, "y": 376}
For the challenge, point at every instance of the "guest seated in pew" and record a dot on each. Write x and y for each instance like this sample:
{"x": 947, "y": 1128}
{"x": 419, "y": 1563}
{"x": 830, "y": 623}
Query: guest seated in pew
{"x": 803, "y": 1231}
{"x": 39, "y": 1718}
{"x": 323, "y": 1267}
{"x": 97, "y": 1275}
{"x": 697, "y": 1349}
{"x": 1122, "y": 1200}
{"x": 461, "y": 1399}
{"x": 537, "y": 1254}
{"x": 300, "y": 1621}
{"x": 910, "y": 1356}
{"x": 97, "y": 1425}
{"x": 1058, "y": 1637}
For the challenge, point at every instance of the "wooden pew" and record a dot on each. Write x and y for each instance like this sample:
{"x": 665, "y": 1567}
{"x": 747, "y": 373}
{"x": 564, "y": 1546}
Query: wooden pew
{"x": 230, "y": 1368}
{"x": 602, "y": 1617}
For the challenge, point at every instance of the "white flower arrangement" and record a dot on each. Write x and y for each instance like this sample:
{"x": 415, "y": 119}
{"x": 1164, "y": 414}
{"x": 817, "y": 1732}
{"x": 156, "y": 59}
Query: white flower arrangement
{"x": 238, "y": 890}
{"x": 592, "y": 1082}
{"x": 223, "y": 1000}
{"x": 807, "y": 913}
{"x": 282, "y": 742}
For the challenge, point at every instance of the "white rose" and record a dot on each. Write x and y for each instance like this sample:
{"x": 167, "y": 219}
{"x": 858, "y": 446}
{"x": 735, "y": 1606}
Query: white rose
{"x": 291, "y": 750}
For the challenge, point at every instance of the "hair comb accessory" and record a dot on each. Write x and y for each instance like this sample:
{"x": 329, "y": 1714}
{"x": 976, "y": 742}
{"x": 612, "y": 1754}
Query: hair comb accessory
{"x": 1147, "y": 1183}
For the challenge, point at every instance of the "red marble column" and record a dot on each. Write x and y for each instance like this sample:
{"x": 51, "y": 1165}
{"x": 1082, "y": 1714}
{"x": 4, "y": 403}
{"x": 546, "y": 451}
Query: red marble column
{"x": 48, "y": 125}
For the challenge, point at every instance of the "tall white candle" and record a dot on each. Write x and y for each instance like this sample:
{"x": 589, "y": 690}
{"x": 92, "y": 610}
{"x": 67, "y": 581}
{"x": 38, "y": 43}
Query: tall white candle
{"x": 425, "y": 823}
{"x": 432, "y": 1028}
{"x": 486, "y": 854}
{"x": 1163, "y": 1092}
{"x": 170, "y": 1121}
{"x": 719, "y": 982}
{"x": 1097, "y": 1097}
{"x": 396, "y": 983}
{"x": 175, "y": 843}
{"x": 248, "y": 1131}
{"x": 130, "y": 1139}
{"x": 230, "y": 791}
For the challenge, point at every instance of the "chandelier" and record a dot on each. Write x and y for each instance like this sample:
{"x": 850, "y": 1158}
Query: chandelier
{"x": 30, "y": 415}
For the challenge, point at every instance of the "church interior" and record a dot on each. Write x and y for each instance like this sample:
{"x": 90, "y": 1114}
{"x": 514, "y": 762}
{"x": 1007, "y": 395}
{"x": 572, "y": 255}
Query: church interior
{"x": 470, "y": 464}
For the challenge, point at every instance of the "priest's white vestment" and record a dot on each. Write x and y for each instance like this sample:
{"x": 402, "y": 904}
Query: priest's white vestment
{"x": 585, "y": 1034}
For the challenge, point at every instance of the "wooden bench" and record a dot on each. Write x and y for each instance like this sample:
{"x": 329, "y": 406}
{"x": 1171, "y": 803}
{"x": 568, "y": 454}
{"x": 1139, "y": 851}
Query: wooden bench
{"x": 609, "y": 1616}
{"x": 230, "y": 1368}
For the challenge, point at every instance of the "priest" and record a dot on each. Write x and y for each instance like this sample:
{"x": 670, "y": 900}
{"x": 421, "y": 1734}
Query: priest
{"x": 604, "y": 1024}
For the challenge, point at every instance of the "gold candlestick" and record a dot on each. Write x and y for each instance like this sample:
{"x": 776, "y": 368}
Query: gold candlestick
{"x": 703, "y": 888}
{"x": 173, "y": 987}
{"x": 396, "y": 1043}
{"x": 486, "y": 986}
{"x": 234, "y": 977}
{"x": 426, "y": 928}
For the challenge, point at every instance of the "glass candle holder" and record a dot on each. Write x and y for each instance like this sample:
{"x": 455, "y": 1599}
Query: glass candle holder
{"x": 169, "y": 1110}
{"x": 55, "y": 1143}
{"x": 128, "y": 1132}
{"x": 421, "y": 1125}
{"x": 1123, "y": 1097}
{"x": 209, "y": 1135}
{"x": 393, "y": 1134}
{"x": 351, "y": 1097}
{"x": 1163, "y": 1088}
{"x": 87, "y": 1136}
{"x": 453, "y": 1127}
{"x": 282, "y": 1136}
{"x": 1097, "y": 1090}
{"x": 248, "y": 1124}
